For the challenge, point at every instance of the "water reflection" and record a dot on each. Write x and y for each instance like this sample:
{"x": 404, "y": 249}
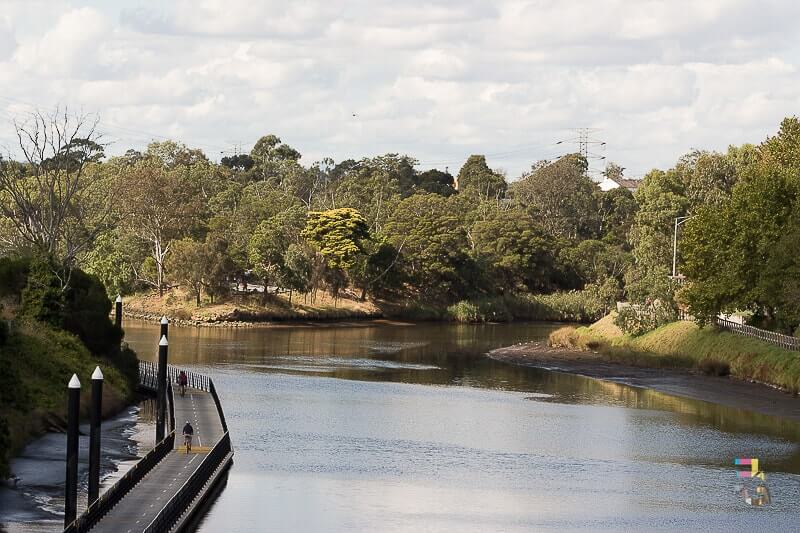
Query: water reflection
{"x": 405, "y": 428}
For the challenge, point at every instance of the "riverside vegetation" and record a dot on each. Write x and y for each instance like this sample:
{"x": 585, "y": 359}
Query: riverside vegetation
{"x": 685, "y": 345}
{"x": 470, "y": 246}
{"x": 46, "y": 335}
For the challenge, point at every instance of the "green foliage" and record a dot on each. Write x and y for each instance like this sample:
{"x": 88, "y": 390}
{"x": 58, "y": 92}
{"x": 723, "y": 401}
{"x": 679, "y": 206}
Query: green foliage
{"x": 435, "y": 259}
{"x": 561, "y": 196}
{"x": 298, "y": 264}
{"x": 37, "y": 362}
{"x": 338, "y": 235}
{"x": 13, "y": 275}
{"x": 636, "y": 320}
{"x": 661, "y": 198}
{"x": 81, "y": 305}
{"x": 742, "y": 251}
{"x": 111, "y": 261}
{"x": 86, "y": 314}
{"x": 476, "y": 178}
{"x": 42, "y": 297}
{"x": 572, "y": 306}
{"x": 684, "y": 344}
{"x": 517, "y": 253}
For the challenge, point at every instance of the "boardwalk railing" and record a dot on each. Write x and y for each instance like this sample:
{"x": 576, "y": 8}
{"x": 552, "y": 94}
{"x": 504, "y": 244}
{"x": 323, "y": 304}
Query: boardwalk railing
{"x": 784, "y": 341}
{"x": 194, "y": 489}
{"x": 183, "y": 500}
{"x": 123, "y": 486}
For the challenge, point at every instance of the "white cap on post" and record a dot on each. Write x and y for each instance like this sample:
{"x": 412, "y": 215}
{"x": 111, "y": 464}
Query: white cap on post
{"x": 119, "y": 299}
{"x": 97, "y": 374}
{"x": 164, "y": 320}
{"x": 163, "y": 341}
{"x": 74, "y": 383}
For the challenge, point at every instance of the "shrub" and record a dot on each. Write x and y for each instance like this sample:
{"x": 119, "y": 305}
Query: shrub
{"x": 42, "y": 298}
{"x": 86, "y": 314}
{"x": 82, "y": 308}
{"x": 464, "y": 311}
{"x": 714, "y": 367}
{"x": 13, "y": 275}
{"x": 481, "y": 310}
{"x": 637, "y": 320}
{"x": 573, "y": 306}
{"x": 564, "y": 338}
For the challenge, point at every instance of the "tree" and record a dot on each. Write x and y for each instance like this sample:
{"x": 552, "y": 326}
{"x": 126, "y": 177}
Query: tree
{"x": 595, "y": 261}
{"x": 296, "y": 274}
{"x": 338, "y": 234}
{"x": 270, "y": 242}
{"x": 161, "y": 205}
{"x": 370, "y": 190}
{"x": 239, "y": 162}
{"x": 437, "y": 182}
{"x": 475, "y": 177}
{"x": 560, "y": 197}
{"x": 187, "y": 263}
{"x": 434, "y": 257}
{"x": 518, "y": 254}
{"x": 53, "y": 204}
{"x": 741, "y": 252}
{"x": 661, "y": 199}
{"x": 616, "y": 211}
{"x": 269, "y": 153}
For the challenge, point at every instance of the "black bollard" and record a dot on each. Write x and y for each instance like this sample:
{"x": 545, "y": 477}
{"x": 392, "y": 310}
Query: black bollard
{"x": 94, "y": 435}
{"x": 164, "y": 326}
{"x": 118, "y": 312}
{"x": 71, "y": 485}
{"x": 162, "y": 388}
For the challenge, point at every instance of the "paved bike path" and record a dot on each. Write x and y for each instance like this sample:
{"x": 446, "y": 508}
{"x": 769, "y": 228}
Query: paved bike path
{"x": 141, "y": 505}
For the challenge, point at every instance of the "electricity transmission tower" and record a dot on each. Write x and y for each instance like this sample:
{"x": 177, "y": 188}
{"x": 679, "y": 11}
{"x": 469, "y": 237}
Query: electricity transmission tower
{"x": 585, "y": 142}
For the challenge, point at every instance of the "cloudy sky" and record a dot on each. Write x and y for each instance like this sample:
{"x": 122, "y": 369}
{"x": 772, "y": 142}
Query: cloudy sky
{"x": 438, "y": 80}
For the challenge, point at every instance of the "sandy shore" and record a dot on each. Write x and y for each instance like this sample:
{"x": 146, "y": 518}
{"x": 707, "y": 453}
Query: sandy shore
{"x": 720, "y": 390}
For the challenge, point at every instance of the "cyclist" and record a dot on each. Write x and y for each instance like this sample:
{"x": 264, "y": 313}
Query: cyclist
{"x": 183, "y": 380}
{"x": 188, "y": 431}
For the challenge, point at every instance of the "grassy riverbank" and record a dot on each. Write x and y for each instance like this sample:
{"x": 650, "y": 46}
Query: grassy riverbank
{"x": 685, "y": 345}
{"x": 37, "y": 363}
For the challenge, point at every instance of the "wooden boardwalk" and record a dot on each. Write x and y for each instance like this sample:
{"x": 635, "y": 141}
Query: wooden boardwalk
{"x": 137, "y": 510}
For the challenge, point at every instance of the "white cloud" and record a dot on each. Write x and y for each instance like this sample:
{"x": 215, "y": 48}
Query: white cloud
{"x": 438, "y": 79}
{"x": 71, "y": 47}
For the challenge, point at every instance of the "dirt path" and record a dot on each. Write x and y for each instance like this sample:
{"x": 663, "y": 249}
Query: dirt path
{"x": 720, "y": 390}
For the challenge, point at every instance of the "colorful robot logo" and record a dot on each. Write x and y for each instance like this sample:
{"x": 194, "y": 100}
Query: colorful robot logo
{"x": 754, "y": 490}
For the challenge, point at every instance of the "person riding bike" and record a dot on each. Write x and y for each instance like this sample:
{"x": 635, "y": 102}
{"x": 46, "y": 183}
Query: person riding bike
{"x": 183, "y": 381}
{"x": 188, "y": 431}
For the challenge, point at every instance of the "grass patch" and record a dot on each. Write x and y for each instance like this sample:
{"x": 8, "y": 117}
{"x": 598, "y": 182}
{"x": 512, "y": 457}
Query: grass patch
{"x": 37, "y": 363}
{"x": 685, "y": 345}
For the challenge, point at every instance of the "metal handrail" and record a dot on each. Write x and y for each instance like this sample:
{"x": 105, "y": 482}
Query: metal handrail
{"x": 100, "y": 507}
{"x": 180, "y": 502}
{"x": 122, "y": 487}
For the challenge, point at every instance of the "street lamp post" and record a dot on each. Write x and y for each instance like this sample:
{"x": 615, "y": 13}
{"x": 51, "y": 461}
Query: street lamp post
{"x": 678, "y": 222}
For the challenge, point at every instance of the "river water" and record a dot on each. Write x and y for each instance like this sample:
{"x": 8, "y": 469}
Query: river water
{"x": 413, "y": 428}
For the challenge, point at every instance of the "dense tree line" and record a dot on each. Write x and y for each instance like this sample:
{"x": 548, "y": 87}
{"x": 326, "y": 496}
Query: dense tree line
{"x": 378, "y": 227}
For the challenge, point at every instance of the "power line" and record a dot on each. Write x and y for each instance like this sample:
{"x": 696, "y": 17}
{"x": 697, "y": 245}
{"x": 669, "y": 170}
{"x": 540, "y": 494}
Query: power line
{"x": 584, "y": 140}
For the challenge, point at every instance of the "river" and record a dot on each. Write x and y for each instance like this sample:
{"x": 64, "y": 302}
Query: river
{"x": 413, "y": 428}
